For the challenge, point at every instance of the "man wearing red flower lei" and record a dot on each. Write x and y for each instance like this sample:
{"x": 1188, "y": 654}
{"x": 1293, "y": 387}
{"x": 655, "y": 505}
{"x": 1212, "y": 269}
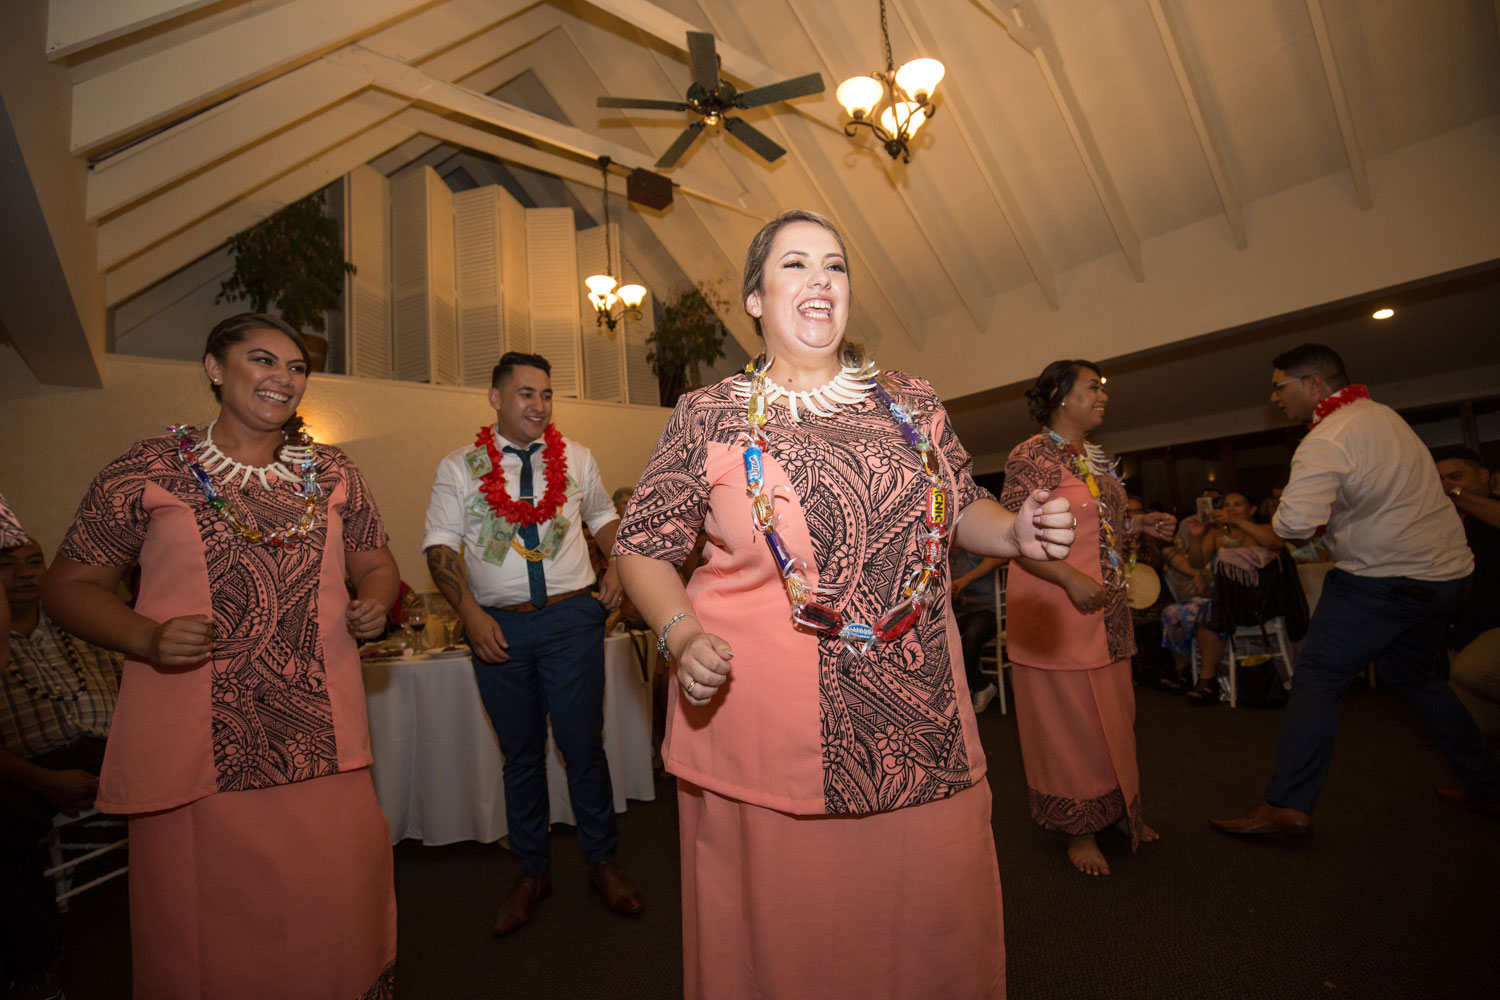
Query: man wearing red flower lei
{"x": 1401, "y": 569}
{"x": 514, "y": 502}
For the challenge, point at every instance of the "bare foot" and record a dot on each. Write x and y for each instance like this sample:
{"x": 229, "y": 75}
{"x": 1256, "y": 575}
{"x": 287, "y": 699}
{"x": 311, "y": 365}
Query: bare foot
{"x": 1148, "y": 835}
{"x": 1085, "y": 855}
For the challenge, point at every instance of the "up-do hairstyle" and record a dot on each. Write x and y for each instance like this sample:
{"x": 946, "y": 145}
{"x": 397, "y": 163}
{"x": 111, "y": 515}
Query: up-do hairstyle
{"x": 235, "y": 329}
{"x": 1052, "y": 387}
{"x": 850, "y": 353}
{"x": 517, "y": 359}
{"x": 1314, "y": 359}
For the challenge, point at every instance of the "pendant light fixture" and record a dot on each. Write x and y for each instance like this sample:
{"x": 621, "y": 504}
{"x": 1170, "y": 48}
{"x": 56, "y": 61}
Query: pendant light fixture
{"x": 603, "y": 294}
{"x": 904, "y": 97}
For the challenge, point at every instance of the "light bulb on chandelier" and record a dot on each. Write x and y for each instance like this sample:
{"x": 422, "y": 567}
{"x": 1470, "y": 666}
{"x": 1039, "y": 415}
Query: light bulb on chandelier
{"x": 905, "y": 92}
{"x": 603, "y": 293}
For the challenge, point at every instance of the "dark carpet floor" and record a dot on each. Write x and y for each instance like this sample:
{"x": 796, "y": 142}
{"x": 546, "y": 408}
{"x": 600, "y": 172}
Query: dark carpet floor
{"x": 1398, "y": 895}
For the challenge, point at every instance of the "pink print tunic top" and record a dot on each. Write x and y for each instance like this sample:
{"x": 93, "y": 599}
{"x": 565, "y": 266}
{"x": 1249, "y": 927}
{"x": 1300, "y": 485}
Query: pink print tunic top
{"x": 281, "y": 699}
{"x": 802, "y": 726}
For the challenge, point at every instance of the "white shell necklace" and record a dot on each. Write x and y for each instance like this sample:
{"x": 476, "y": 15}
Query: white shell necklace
{"x": 850, "y": 385}
{"x": 217, "y": 463}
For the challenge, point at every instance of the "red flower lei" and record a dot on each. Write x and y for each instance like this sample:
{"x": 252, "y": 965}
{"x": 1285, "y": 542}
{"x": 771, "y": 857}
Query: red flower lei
{"x": 555, "y": 470}
{"x": 1343, "y": 397}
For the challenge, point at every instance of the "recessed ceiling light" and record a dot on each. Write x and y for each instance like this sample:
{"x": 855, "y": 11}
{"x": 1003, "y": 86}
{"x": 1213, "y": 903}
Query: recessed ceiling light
{"x": 1383, "y": 313}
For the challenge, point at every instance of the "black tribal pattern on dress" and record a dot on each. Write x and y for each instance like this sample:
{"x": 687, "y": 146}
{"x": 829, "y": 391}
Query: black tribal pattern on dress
{"x": 1039, "y": 463}
{"x": 1078, "y": 817}
{"x": 890, "y": 729}
{"x": 272, "y": 720}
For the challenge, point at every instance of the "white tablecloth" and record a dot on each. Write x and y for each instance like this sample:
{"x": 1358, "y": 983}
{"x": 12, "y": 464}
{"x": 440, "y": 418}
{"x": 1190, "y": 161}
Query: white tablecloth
{"x": 437, "y": 763}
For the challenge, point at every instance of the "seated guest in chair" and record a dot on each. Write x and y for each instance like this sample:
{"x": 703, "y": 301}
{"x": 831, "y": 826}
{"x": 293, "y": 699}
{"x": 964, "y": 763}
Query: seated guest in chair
{"x": 1474, "y": 636}
{"x": 974, "y": 607}
{"x": 56, "y": 698}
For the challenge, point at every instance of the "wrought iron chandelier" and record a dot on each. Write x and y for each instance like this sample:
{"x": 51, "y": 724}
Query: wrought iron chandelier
{"x": 905, "y": 93}
{"x": 603, "y": 294}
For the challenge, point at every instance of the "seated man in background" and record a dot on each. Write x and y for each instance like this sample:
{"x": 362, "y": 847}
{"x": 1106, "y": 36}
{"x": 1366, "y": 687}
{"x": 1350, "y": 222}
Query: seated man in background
{"x": 1474, "y": 635}
{"x": 974, "y": 608}
{"x": 56, "y": 698}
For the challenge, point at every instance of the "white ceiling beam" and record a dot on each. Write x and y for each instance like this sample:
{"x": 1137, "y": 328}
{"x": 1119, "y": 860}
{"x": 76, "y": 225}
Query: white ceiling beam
{"x": 144, "y": 270}
{"x": 1027, "y": 27}
{"x": 966, "y": 122}
{"x": 128, "y": 233}
{"x": 1171, "y": 40}
{"x": 143, "y": 169}
{"x": 75, "y": 25}
{"x": 417, "y": 86}
{"x": 1341, "y": 107}
{"x": 245, "y": 119}
{"x": 195, "y": 73}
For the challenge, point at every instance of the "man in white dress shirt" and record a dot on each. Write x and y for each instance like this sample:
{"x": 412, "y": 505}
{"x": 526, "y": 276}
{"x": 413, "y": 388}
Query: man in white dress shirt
{"x": 514, "y": 504}
{"x": 1401, "y": 569}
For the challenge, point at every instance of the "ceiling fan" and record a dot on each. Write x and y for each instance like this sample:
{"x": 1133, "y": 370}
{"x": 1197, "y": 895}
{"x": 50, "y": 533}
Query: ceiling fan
{"x": 711, "y": 96}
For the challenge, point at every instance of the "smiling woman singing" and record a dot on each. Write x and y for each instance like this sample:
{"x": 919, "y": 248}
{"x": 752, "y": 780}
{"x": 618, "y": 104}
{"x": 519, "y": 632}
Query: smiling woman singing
{"x": 835, "y": 818}
{"x": 260, "y": 862}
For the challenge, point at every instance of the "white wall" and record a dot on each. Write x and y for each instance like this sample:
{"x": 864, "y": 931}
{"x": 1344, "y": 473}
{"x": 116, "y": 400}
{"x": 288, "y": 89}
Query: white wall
{"x": 59, "y": 437}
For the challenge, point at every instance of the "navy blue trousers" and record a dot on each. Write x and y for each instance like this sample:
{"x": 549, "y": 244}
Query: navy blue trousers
{"x": 556, "y": 668}
{"x": 1398, "y": 623}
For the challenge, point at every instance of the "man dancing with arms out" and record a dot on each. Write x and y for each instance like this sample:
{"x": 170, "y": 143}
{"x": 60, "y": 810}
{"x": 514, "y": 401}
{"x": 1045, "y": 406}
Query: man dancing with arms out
{"x": 514, "y": 503}
{"x": 1401, "y": 568}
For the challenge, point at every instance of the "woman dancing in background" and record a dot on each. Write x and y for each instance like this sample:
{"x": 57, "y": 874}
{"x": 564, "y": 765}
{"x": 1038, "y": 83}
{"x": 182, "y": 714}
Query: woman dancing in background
{"x": 260, "y": 862}
{"x": 1069, "y": 634}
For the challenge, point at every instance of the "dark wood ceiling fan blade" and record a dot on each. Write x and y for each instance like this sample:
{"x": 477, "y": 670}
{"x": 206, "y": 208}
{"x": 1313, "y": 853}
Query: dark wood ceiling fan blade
{"x": 641, "y": 102}
{"x": 705, "y": 60}
{"x": 799, "y": 86}
{"x": 754, "y": 138}
{"x": 672, "y": 155}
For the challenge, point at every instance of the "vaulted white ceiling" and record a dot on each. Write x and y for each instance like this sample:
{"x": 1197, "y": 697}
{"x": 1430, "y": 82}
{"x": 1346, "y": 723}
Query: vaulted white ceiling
{"x": 1102, "y": 177}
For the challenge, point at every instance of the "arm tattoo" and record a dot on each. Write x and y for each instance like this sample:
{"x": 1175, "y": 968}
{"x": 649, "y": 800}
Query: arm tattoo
{"x": 448, "y": 573}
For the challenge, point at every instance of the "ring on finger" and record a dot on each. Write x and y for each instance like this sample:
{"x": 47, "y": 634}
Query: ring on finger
{"x": 692, "y": 683}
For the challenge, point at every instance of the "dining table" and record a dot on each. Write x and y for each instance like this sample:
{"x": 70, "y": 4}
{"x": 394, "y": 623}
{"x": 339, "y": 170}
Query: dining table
{"x": 437, "y": 765}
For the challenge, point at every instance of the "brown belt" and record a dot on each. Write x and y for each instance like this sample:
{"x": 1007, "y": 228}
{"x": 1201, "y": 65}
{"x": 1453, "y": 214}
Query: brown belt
{"x": 528, "y": 606}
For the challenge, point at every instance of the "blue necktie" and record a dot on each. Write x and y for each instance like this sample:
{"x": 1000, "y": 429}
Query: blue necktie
{"x": 535, "y": 575}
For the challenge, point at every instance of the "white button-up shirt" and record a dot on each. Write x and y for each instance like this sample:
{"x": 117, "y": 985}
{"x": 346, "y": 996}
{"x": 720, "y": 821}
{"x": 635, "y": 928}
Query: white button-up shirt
{"x": 451, "y": 521}
{"x": 1364, "y": 472}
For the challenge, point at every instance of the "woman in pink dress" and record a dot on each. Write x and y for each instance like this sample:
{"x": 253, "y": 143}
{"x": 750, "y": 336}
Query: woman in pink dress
{"x": 260, "y": 862}
{"x": 1068, "y": 631}
{"x": 835, "y": 820}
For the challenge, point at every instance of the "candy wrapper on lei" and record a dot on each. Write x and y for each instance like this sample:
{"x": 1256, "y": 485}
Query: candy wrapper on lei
{"x": 933, "y": 536}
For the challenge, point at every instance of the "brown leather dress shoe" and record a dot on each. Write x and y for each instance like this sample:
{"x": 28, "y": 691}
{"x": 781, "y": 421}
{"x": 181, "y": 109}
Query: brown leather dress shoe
{"x": 1466, "y": 799}
{"x": 608, "y": 880}
{"x": 1267, "y": 819}
{"x": 521, "y": 901}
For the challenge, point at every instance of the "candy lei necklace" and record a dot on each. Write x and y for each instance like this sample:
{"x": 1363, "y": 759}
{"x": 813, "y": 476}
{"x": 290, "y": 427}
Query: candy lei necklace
{"x": 1342, "y": 398}
{"x": 307, "y": 461}
{"x": 858, "y": 637}
{"x": 555, "y": 471}
{"x": 1088, "y": 464}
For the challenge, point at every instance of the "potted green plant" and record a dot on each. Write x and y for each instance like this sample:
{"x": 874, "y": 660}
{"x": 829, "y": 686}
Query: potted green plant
{"x": 293, "y": 261}
{"x": 688, "y": 334}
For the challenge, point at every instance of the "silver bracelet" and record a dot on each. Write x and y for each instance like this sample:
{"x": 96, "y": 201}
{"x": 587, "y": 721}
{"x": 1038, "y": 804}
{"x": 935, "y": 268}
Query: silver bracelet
{"x": 661, "y": 642}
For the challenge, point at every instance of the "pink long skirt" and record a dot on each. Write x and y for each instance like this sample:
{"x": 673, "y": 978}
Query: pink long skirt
{"x": 1077, "y": 732}
{"x": 281, "y": 892}
{"x": 902, "y": 904}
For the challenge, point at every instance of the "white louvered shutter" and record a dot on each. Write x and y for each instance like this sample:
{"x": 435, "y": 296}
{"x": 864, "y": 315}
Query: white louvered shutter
{"x": 476, "y": 239}
{"x": 603, "y": 357}
{"x": 367, "y": 239}
{"x": 513, "y": 273}
{"x": 553, "y": 285}
{"x": 641, "y": 387}
{"x": 423, "y": 321}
